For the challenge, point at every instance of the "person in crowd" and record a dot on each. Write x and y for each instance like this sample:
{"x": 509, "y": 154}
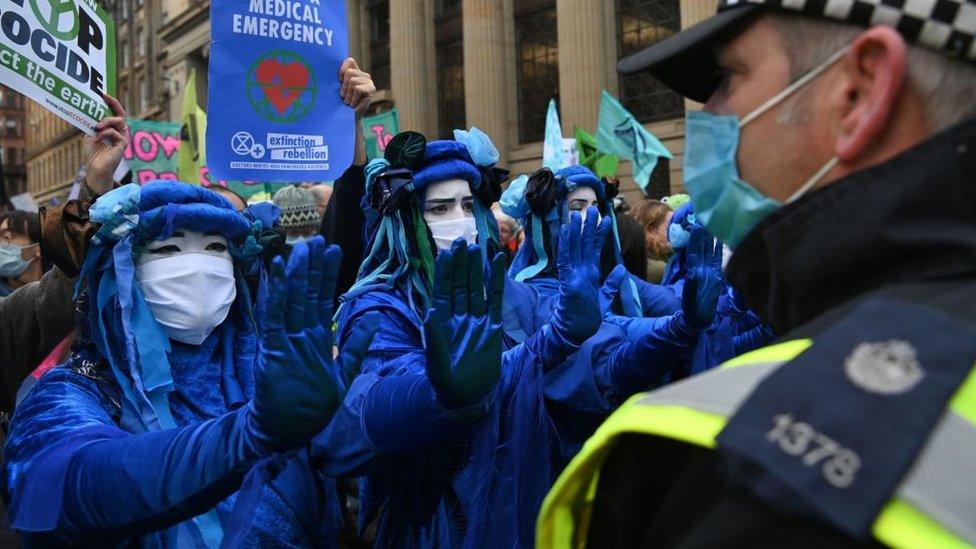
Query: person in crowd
{"x": 322, "y": 194}
{"x": 679, "y": 228}
{"x": 38, "y": 316}
{"x": 343, "y": 221}
{"x": 186, "y": 378}
{"x": 655, "y": 218}
{"x": 508, "y": 231}
{"x": 454, "y": 447}
{"x": 822, "y": 126}
{"x": 239, "y": 202}
{"x": 299, "y": 217}
{"x": 20, "y": 250}
{"x": 633, "y": 250}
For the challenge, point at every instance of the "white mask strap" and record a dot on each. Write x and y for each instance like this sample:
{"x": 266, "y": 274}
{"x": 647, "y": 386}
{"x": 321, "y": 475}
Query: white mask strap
{"x": 792, "y": 88}
{"x": 813, "y": 180}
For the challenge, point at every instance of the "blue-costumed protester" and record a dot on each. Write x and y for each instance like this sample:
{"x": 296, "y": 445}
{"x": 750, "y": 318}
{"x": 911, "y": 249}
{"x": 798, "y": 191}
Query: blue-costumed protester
{"x": 646, "y": 333}
{"x": 452, "y": 438}
{"x": 736, "y": 329}
{"x": 189, "y": 375}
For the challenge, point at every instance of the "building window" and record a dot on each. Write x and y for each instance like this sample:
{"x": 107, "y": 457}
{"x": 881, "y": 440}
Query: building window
{"x": 379, "y": 42}
{"x": 11, "y": 125}
{"x": 123, "y": 54}
{"x": 125, "y": 10}
{"x": 641, "y": 23}
{"x": 450, "y": 87}
{"x": 537, "y": 67}
{"x": 446, "y": 8}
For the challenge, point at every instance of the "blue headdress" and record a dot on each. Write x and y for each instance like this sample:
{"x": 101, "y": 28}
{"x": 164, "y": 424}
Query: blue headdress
{"x": 539, "y": 201}
{"x": 119, "y": 323}
{"x": 401, "y": 250}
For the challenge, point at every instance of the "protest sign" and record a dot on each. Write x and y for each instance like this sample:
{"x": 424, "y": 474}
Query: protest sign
{"x": 379, "y": 131}
{"x": 61, "y": 54}
{"x": 274, "y": 110}
{"x": 153, "y": 151}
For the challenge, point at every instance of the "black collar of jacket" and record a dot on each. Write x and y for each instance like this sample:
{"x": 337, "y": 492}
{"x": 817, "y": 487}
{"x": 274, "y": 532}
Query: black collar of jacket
{"x": 910, "y": 219}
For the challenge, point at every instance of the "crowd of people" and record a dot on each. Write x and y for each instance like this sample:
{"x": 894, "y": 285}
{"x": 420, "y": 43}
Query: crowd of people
{"x": 431, "y": 353}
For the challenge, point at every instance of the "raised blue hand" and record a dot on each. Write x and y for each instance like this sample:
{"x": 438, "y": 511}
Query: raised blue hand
{"x": 463, "y": 328}
{"x": 297, "y": 386}
{"x": 703, "y": 283}
{"x": 577, "y": 314}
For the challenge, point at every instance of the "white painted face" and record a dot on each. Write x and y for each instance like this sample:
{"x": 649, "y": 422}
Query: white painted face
{"x": 448, "y": 200}
{"x": 580, "y": 199}
{"x": 186, "y": 242}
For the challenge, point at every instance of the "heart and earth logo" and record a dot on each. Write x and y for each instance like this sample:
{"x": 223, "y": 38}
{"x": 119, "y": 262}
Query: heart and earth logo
{"x": 281, "y": 86}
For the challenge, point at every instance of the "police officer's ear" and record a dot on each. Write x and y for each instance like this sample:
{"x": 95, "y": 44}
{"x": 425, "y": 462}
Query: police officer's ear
{"x": 871, "y": 96}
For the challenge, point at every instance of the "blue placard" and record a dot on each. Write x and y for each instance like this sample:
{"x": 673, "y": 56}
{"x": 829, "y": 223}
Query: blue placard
{"x": 274, "y": 110}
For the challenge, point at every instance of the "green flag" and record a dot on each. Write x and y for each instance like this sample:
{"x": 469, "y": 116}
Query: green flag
{"x": 620, "y": 133}
{"x": 193, "y": 136}
{"x": 601, "y": 163}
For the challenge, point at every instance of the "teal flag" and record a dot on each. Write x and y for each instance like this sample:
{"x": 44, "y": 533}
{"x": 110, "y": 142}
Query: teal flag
{"x": 618, "y": 132}
{"x": 552, "y": 147}
{"x": 379, "y": 130}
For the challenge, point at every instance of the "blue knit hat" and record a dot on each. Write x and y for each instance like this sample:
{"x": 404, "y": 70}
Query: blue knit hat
{"x": 446, "y": 160}
{"x": 574, "y": 177}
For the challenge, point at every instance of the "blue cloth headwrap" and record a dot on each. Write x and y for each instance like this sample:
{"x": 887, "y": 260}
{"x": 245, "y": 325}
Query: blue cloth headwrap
{"x": 532, "y": 258}
{"x": 387, "y": 261}
{"x": 121, "y": 326}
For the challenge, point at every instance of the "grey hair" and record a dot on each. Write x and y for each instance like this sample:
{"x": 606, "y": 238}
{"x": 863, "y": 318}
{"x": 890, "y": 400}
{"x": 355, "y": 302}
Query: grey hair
{"x": 945, "y": 85}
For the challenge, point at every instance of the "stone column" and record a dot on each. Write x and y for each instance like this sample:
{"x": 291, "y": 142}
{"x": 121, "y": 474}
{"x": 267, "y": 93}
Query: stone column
{"x": 582, "y": 62}
{"x": 355, "y": 35}
{"x": 409, "y": 64}
{"x": 485, "y": 84}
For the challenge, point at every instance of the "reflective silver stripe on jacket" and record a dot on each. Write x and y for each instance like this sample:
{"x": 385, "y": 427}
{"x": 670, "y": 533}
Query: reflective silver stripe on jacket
{"x": 941, "y": 482}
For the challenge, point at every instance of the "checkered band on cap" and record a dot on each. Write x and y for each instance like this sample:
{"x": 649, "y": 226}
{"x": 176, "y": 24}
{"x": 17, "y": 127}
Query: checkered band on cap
{"x": 948, "y": 26}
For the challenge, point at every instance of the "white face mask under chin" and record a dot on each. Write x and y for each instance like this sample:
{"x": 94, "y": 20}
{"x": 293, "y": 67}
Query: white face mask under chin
{"x": 189, "y": 294}
{"x": 446, "y": 232}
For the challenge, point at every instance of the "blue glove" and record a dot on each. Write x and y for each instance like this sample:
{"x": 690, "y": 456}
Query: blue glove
{"x": 704, "y": 282}
{"x": 296, "y": 388}
{"x": 463, "y": 329}
{"x": 577, "y": 314}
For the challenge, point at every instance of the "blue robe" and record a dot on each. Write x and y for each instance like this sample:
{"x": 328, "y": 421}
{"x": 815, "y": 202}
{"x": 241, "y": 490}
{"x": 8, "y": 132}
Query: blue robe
{"x": 58, "y": 497}
{"x": 472, "y": 477}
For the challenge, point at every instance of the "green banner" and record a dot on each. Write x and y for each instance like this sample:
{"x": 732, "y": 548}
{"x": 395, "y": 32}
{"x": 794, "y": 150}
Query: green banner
{"x": 153, "y": 151}
{"x": 379, "y": 130}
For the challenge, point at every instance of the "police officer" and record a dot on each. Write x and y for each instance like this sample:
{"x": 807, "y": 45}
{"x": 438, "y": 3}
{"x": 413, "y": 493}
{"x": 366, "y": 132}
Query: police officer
{"x": 835, "y": 154}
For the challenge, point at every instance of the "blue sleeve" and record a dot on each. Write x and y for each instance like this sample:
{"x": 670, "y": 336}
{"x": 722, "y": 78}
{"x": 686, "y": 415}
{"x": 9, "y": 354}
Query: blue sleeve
{"x": 391, "y": 406}
{"x": 657, "y": 300}
{"x": 653, "y": 348}
{"x": 70, "y": 469}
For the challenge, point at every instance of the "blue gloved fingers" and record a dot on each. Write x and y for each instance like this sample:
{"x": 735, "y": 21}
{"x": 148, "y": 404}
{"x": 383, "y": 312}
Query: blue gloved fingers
{"x": 459, "y": 277}
{"x": 316, "y": 261}
{"x": 496, "y": 288}
{"x": 602, "y": 233}
{"x": 589, "y": 234}
{"x": 441, "y": 291}
{"x": 355, "y": 348}
{"x": 695, "y": 245}
{"x": 277, "y": 299}
{"x": 575, "y": 237}
{"x": 476, "y": 281}
{"x": 327, "y": 288}
{"x": 297, "y": 273}
{"x": 611, "y": 287}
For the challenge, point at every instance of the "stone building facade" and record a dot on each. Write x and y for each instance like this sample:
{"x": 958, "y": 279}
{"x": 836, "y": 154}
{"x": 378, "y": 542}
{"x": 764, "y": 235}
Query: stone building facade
{"x": 444, "y": 64}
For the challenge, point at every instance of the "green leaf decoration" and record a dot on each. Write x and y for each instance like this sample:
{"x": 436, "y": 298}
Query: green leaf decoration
{"x": 406, "y": 150}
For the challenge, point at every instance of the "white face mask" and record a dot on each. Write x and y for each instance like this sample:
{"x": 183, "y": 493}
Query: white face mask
{"x": 190, "y": 294}
{"x": 447, "y": 231}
